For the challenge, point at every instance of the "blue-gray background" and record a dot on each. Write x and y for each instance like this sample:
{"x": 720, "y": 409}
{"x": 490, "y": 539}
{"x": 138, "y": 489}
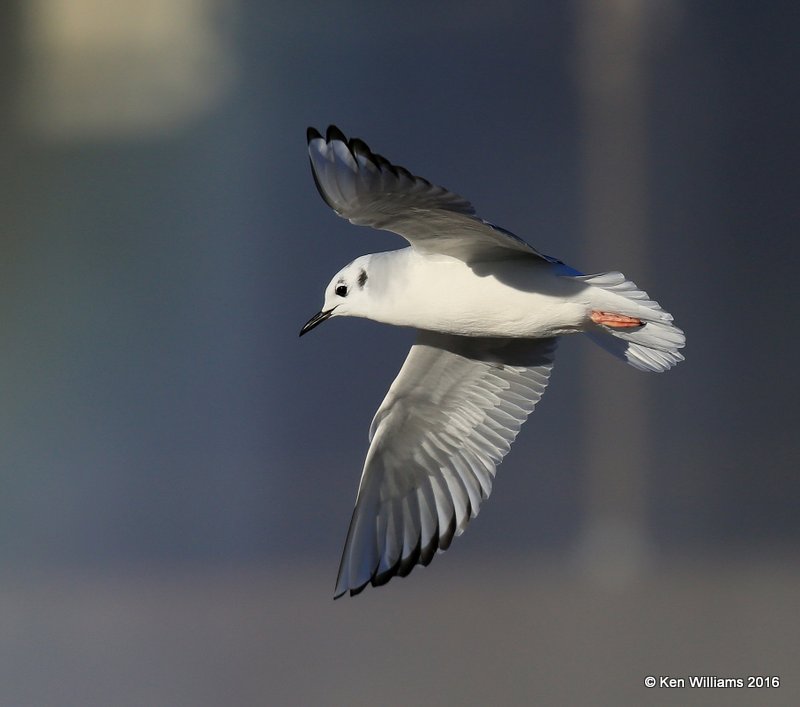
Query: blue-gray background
{"x": 178, "y": 469}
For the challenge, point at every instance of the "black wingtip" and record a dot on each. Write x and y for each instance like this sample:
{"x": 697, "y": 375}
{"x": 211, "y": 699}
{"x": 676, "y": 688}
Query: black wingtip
{"x": 447, "y": 536}
{"x": 355, "y": 591}
{"x": 312, "y": 134}
{"x": 427, "y": 553}
{"x": 333, "y": 133}
{"x": 381, "y": 578}
{"x": 358, "y": 146}
{"x": 408, "y": 563}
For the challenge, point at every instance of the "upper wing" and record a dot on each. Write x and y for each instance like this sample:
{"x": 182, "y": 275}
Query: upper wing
{"x": 446, "y": 423}
{"x": 368, "y": 190}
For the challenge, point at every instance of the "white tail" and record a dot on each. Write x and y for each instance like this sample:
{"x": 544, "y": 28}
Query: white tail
{"x": 650, "y": 347}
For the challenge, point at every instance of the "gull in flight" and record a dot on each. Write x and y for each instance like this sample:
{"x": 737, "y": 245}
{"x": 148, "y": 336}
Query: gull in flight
{"x": 488, "y": 309}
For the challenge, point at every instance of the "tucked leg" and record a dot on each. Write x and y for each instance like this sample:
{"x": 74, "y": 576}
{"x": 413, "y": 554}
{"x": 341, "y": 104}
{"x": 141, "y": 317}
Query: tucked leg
{"x": 617, "y": 321}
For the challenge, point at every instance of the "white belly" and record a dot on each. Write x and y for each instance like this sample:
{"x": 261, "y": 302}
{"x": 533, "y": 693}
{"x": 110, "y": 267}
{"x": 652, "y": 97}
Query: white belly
{"x": 514, "y": 298}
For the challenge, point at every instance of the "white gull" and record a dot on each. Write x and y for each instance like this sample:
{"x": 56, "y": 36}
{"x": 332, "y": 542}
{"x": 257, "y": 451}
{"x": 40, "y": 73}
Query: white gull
{"x": 488, "y": 308}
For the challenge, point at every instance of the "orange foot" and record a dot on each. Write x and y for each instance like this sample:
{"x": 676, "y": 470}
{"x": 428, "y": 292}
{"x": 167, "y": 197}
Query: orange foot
{"x": 617, "y": 321}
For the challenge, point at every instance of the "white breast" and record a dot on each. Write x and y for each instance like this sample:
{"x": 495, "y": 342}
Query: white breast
{"x": 511, "y": 298}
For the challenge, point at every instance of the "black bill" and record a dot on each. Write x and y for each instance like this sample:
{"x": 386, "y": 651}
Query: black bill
{"x": 318, "y": 318}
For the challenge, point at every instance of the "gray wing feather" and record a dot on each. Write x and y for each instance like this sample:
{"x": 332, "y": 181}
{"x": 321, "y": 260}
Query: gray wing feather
{"x": 447, "y": 421}
{"x": 368, "y": 190}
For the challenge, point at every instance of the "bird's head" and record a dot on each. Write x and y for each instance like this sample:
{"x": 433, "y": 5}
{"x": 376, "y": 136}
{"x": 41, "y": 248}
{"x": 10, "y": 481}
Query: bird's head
{"x": 346, "y": 295}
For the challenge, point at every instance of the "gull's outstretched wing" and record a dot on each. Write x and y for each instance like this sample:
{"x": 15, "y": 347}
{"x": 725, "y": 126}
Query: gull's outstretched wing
{"x": 368, "y": 190}
{"x": 446, "y": 423}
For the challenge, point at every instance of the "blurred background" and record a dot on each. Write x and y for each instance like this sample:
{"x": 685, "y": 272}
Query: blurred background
{"x": 177, "y": 468}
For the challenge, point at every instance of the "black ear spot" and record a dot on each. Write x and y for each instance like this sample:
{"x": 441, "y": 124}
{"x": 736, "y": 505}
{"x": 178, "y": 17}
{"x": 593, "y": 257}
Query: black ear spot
{"x": 362, "y": 278}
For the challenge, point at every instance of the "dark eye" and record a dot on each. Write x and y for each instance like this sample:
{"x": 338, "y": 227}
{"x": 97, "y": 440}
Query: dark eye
{"x": 341, "y": 290}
